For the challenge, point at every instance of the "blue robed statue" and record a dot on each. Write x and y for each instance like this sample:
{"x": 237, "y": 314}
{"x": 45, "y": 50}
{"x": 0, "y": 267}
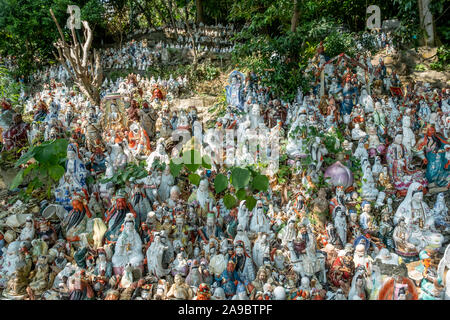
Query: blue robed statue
{"x": 235, "y": 90}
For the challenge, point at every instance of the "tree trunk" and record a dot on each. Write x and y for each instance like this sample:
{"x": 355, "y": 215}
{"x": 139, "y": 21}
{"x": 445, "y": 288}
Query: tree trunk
{"x": 199, "y": 8}
{"x": 295, "y": 16}
{"x": 86, "y": 72}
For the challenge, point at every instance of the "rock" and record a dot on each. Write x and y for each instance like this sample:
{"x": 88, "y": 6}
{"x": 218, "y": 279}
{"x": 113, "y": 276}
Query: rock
{"x": 435, "y": 78}
{"x": 388, "y": 60}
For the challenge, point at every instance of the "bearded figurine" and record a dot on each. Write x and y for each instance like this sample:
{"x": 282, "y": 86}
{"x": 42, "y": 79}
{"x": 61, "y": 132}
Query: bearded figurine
{"x": 211, "y": 229}
{"x": 17, "y": 284}
{"x": 341, "y": 272}
{"x": 148, "y": 117}
{"x": 41, "y": 278}
{"x": 140, "y": 203}
{"x": 204, "y": 198}
{"x": 181, "y": 231}
{"x": 228, "y": 279}
{"x": 432, "y": 148}
{"x": 244, "y": 263}
{"x": 75, "y": 222}
{"x": 115, "y": 216}
{"x": 17, "y": 134}
{"x": 12, "y": 261}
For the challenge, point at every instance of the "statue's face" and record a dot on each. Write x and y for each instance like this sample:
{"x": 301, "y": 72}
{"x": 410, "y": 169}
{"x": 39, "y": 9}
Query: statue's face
{"x": 129, "y": 226}
{"x": 418, "y": 196}
{"x": 178, "y": 279}
{"x": 359, "y": 282}
{"x": 262, "y": 276}
{"x": 302, "y": 118}
{"x": 210, "y": 222}
{"x": 70, "y": 155}
{"x": 203, "y": 186}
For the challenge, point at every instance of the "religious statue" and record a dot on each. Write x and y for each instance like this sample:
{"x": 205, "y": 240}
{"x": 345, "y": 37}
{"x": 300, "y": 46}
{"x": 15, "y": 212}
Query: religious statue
{"x": 433, "y": 151}
{"x": 128, "y": 248}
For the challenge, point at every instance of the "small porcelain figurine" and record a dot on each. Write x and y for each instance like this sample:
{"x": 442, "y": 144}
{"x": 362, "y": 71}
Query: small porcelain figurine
{"x": 28, "y": 231}
{"x": 40, "y": 278}
{"x": 128, "y": 248}
{"x": 432, "y": 147}
{"x": 397, "y": 159}
{"x": 259, "y": 221}
{"x": 75, "y": 222}
{"x": 74, "y": 179}
{"x": 369, "y": 190}
{"x": 417, "y": 216}
{"x": 203, "y": 196}
{"x": 180, "y": 290}
{"x": 155, "y": 257}
{"x": 115, "y": 216}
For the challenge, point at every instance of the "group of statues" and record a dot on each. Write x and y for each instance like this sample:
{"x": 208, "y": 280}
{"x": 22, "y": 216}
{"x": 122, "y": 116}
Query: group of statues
{"x": 361, "y": 213}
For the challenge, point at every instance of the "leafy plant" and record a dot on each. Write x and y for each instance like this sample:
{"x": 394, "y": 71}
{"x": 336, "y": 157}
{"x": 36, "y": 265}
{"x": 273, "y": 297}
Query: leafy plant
{"x": 131, "y": 171}
{"x": 9, "y": 88}
{"x": 242, "y": 184}
{"x": 420, "y": 67}
{"x": 43, "y": 165}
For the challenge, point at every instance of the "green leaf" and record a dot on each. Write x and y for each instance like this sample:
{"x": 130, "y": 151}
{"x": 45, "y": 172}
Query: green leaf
{"x": 240, "y": 177}
{"x": 17, "y": 180}
{"x": 250, "y": 202}
{"x": 56, "y": 172}
{"x": 260, "y": 183}
{"x": 26, "y": 157}
{"x": 192, "y": 160}
{"x": 229, "y": 201}
{"x": 206, "y": 162}
{"x": 241, "y": 194}
{"x": 175, "y": 168}
{"x": 29, "y": 168}
{"x": 194, "y": 178}
{"x": 220, "y": 183}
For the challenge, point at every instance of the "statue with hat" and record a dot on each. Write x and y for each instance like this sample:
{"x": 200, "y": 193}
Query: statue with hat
{"x": 115, "y": 216}
{"x": 75, "y": 222}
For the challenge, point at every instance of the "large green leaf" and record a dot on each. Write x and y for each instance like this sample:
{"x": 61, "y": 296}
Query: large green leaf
{"x": 229, "y": 201}
{"x": 250, "y": 202}
{"x": 206, "y": 162}
{"x": 56, "y": 172}
{"x": 26, "y": 157}
{"x": 241, "y": 194}
{"x": 194, "y": 179}
{"x": 29, "y": 168}
{"x": 240, "y": 177}
{"x": 60, "y": 146}
{"x": 175, "y": 168}
{"x": 46, "y": 154}
{"x": 192, "y": 160}
{"x": 260, "y": 182}
{"x": 17, "y": 180}
{"x": 220, "y": 183}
